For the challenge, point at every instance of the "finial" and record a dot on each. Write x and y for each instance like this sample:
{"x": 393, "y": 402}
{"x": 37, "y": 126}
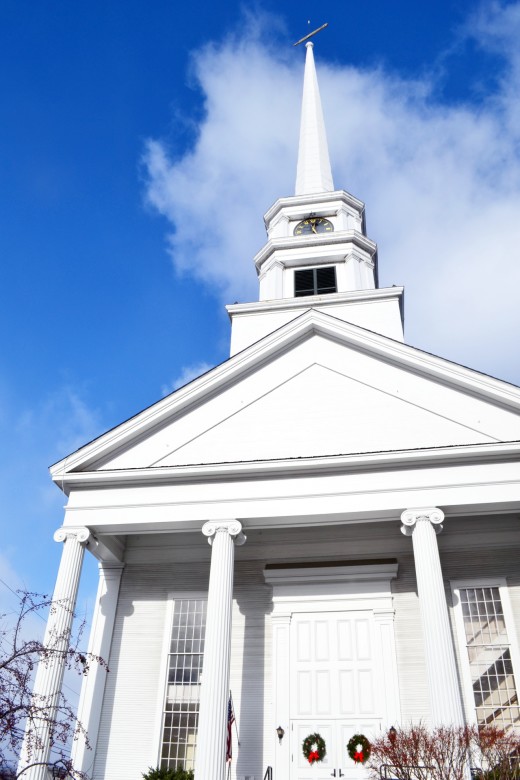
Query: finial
{"x": 306, "y": 37}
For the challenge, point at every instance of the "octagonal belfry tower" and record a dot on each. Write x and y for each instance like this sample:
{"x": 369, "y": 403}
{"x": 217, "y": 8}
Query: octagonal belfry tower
{"x": 317, "y": 254}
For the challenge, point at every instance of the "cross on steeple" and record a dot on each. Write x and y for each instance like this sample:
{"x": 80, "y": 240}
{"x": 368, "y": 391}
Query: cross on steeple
{"x": 306, "y": 37}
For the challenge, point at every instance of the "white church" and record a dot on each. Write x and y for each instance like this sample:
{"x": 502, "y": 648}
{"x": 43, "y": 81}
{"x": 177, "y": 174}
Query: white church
{"x": 361, "y": 501}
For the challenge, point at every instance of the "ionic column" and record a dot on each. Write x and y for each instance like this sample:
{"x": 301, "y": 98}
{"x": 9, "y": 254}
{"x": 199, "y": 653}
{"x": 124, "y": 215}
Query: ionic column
{"x": 445, "y": 700}
{"x": 49, "y": 676}
{"x": 210, "y": 760}
{"x": 93, "y": 687}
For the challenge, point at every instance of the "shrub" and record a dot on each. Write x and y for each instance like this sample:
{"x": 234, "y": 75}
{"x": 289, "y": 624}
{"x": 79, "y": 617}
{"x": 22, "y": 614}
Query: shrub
{"x": 444, "y": 753}
{"x": 161, "y": 773}
{"x": 500, "y": 753}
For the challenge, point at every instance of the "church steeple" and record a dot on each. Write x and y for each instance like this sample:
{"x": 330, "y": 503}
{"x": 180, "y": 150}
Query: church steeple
{"x": 313, "y": 172}
{"x": 317, "y": 254}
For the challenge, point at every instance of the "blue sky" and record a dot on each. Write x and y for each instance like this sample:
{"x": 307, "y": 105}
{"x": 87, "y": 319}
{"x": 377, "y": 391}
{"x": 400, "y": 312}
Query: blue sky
{"x": 140, "y": 145}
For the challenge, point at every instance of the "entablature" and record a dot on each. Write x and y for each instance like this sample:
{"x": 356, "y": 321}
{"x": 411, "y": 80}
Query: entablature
{"x": 322, "y": 204}
{"x": 298, "y": 492}
{"x": 333, "y": 247}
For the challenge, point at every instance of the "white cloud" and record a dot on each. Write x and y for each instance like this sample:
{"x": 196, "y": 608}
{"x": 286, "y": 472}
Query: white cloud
{"x": 186, "y": 375}
{"x": 441, "y": 183}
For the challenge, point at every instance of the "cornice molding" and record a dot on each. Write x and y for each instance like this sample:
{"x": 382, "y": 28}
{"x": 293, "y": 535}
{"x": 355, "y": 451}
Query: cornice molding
{"x": 355, "y": 297}
{"x": 373, "y": 461}
{"x": 317, "y": 199}
{"x": 344, "y": 238}
{"x": 374, "y": 572}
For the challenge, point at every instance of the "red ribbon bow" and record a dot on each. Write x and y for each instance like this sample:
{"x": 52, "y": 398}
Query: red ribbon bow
{"x": 358, "y": 756}
{"x": 313, "y": 756}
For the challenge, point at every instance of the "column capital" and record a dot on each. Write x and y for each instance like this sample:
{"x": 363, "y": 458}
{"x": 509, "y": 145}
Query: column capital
{"x": 232, "y": 527}
{"x": 80, "y": 533}
{"x": 410, "y": 517}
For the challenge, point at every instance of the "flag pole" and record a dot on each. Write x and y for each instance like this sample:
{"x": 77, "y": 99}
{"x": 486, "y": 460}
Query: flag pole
{"x": 234, "y": 717}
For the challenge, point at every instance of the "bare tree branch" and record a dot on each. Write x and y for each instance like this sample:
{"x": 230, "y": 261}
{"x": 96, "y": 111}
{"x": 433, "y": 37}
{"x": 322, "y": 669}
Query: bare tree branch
{"x": 21, "y": 712}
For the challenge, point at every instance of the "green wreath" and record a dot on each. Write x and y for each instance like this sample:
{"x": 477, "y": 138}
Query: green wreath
{"x": 314, "y": 748}
{"x": 359, "y": 748}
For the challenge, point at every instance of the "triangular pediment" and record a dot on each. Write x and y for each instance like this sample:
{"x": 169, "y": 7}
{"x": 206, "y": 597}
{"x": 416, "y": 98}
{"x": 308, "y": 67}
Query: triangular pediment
{"x": 322, "y": 411}
{"x": 316, "y": 387}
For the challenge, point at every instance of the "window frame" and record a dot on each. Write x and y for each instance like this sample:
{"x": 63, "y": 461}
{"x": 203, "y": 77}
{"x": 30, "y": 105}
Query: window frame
{"x": 470, "y": 708}
{"x": 162, "y": 696}
{"x": 315, "y": 269}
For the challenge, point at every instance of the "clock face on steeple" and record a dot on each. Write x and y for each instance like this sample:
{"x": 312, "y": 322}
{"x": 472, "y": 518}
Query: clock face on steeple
{"x": 313, "y": 226}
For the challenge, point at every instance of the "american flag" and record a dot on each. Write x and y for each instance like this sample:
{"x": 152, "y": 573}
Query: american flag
{"x": 230, "y": 721}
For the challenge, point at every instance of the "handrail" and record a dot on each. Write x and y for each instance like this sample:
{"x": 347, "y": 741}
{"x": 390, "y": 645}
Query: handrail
{"x": 268, "y": 773}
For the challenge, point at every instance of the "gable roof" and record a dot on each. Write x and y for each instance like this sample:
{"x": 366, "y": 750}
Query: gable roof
{"x": 361, "y": 392}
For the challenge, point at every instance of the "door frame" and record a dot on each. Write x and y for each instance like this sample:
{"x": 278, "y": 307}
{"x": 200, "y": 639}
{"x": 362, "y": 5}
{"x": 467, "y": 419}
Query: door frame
{"x": 333, "y": 588}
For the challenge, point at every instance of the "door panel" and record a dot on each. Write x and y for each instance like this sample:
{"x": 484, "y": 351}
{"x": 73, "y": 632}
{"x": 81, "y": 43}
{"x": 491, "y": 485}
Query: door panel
{"x": 300, "y": 767}
{"x": 333, "y": 667}
{"x": 334, "y": 689}
{"x": 336, "y": 735}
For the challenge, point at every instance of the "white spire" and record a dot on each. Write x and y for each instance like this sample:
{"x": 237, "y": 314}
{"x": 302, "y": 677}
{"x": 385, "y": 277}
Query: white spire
{"x": 313, "y": 172}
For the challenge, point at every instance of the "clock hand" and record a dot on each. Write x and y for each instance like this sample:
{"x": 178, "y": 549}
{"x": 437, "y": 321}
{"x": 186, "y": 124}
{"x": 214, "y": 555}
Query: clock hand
{"x": 313, "y": 227}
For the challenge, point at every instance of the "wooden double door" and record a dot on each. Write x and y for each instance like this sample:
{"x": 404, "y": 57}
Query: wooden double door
{"x": 335, "y": 689}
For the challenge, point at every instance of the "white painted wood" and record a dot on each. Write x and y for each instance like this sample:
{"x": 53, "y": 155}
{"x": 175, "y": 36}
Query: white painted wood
{"x": 284, "y": 431}
{"x": 369, "y": 408}
{"x": 344, "y": 491}
{"x": 378, "y": 310}
{"x": 498, "y": 402}
{"x": 93, "y": 687}
{"x": 281, "y": 674}
{"x": 130, "y": 731}
{"x": 385, "y": 636}
{"x": 313, "y": 172}
{"x": 336, "y": 654}
{"x": 445, "y": 700}
{"x": 352, "y": 252}
{"x": 336, "y": 734}
{"x": 334, "y": 661}
{"x": 210, "y": 761}
{"x": 162, "y": 692}
{"x": 49, "y": 675}
{"x": 157, "y": 565}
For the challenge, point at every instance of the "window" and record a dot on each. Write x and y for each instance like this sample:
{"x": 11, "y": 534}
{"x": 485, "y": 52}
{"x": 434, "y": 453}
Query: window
{"x": 315, "y": 281}
{"x": 488, "y": 654}
{"x": 181, "y": 709}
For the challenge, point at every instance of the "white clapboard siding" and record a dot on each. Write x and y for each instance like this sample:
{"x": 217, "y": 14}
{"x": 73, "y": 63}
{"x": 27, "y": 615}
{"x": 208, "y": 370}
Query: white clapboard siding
{"x": 251, "y": 670}
{"x": 411, "y": 668}
{"x": 160, "y": 564}
{"x": 127, "y": 743}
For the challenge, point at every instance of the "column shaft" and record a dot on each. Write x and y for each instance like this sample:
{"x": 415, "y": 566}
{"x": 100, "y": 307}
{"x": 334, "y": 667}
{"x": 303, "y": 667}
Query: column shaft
{"x": 49, "y": 675}
{"x": 93, "y": 687}
{"x": 210, "y": 761}
{"x": 445, "y": 697}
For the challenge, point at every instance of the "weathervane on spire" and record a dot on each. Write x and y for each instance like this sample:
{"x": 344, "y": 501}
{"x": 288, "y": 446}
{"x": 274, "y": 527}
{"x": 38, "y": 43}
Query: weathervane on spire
{"x": 306, "y": 37}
